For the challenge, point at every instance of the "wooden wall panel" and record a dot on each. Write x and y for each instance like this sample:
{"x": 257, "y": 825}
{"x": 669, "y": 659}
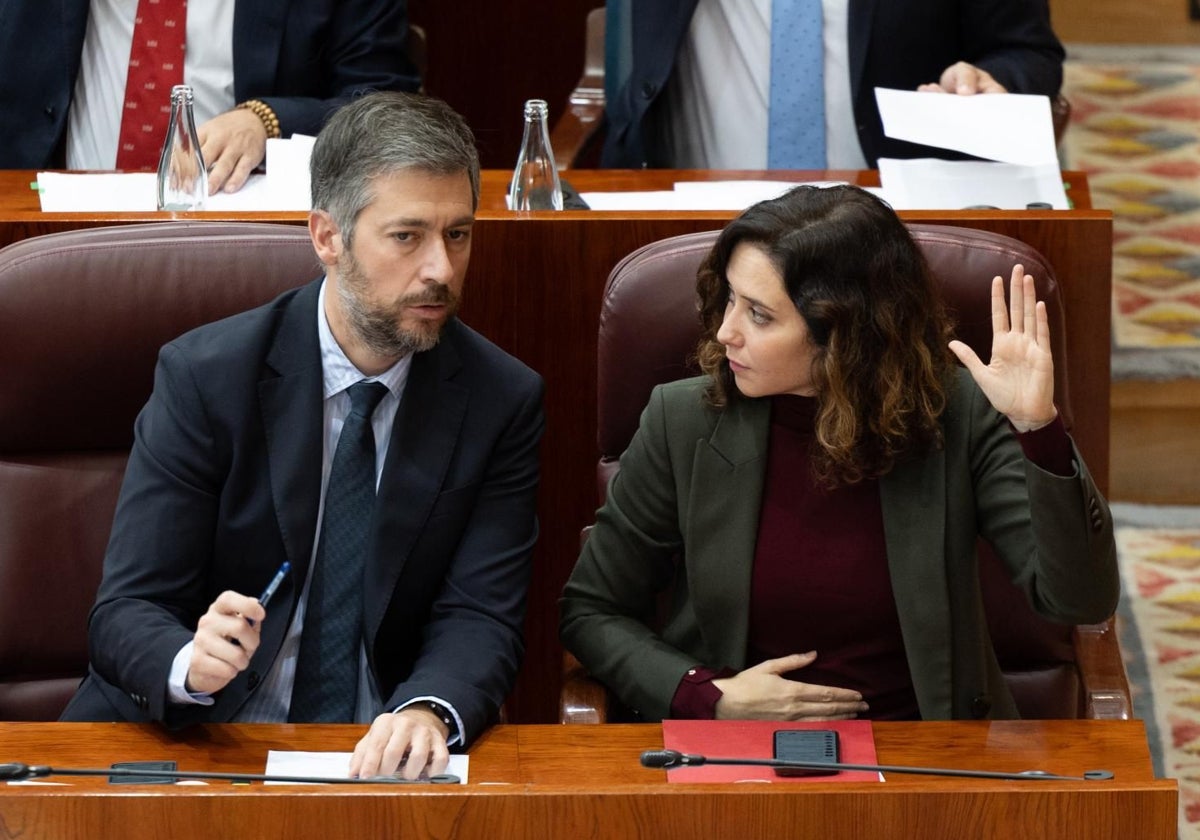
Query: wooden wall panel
{"x": 487, "y": 58}
{"x": 1124, "y": 22}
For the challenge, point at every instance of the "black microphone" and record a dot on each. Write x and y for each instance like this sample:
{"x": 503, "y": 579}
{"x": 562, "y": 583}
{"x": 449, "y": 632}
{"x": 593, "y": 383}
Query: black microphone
{"x": 670, "y": 759}
{"x": 16, "y": 771}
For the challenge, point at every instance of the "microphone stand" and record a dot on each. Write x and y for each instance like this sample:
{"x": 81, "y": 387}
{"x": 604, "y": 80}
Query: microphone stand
{"x": 16, "y": 771}
{"x": 671, "y": 759}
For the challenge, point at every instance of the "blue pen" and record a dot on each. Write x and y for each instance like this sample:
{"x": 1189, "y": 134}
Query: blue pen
{"x": 265, "y": 597}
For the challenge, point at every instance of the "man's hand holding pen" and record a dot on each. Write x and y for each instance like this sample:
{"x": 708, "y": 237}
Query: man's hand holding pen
{"x": 227, "y": 637}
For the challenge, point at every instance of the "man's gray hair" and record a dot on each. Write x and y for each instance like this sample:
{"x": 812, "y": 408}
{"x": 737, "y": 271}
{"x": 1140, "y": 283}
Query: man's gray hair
{"x": 382, "y": 133}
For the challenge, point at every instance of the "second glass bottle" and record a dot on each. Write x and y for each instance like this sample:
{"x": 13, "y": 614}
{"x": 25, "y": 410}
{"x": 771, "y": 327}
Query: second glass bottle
{"x": 535, "y": 184}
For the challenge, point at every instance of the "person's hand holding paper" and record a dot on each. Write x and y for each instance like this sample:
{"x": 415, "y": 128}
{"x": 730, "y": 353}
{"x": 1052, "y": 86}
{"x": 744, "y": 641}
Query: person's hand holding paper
{"x": 965, "y": 80}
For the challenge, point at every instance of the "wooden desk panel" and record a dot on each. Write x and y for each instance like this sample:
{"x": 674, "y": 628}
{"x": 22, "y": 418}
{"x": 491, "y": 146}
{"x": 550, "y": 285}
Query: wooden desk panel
{"x": 535, "y": 285}
{"x": 585, "y": 781}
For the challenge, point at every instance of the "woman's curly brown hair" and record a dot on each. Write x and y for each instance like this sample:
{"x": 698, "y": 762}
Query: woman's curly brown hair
{"x": 863, "y": 287}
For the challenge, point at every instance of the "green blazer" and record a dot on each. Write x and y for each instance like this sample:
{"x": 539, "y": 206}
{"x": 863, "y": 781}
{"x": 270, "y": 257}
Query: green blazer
{"x": 682, "y": 515}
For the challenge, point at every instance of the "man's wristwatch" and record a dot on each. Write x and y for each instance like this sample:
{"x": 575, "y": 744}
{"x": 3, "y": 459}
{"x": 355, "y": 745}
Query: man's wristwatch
{"x": 443, "y": 715}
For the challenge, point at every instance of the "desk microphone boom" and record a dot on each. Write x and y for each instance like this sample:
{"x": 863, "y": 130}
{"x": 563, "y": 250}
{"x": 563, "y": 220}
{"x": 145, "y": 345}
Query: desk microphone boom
{"x": 15, "y": 772}
{"x": 670, "y": 759}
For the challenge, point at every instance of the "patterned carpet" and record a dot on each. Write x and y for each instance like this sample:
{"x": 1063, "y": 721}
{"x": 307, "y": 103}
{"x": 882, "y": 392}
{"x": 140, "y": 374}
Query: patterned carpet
{"x": 1159, "y": 619}
{"x": 1135, "y": 129}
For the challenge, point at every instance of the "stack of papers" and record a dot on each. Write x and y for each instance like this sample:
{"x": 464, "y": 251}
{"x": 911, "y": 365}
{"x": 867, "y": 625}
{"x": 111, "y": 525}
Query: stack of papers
{"x": 1013, "y": 131}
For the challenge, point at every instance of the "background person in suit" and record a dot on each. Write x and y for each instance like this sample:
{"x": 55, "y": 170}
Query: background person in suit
{"x": 233, "y": 471}
{"x": 63, "y": 70}
{"x": 693, "y": 84}
{"x": 807, "y": 511}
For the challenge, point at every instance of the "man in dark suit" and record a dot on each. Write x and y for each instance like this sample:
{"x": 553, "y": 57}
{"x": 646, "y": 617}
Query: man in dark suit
{"x": 961, "y": 46}
{"x": 301, "y": 58}
{"x": 233, "y": 471}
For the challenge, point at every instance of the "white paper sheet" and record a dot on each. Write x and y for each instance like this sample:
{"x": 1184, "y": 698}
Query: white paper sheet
{"x": 335, "y": 765}
{"x": 696, "y": 195}
{"x": 63, "y": 192}
{"x": 645, "y": 200}
{"x": 284, "y": 187}
{"x": 288, "y": 177}
{"x": 1011, "y": 127}
{"x": 134, "y": 192}
{"x": 927, "y": 184}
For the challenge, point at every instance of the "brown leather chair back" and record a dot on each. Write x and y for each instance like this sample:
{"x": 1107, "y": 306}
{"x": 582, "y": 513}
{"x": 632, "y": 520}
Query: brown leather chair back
{"x": 649, "y": 328}
{"x": 82, "y": 317}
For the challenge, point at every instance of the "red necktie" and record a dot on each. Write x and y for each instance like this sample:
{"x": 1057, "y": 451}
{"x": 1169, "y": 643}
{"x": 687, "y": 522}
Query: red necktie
{"x": 155, "y": 66}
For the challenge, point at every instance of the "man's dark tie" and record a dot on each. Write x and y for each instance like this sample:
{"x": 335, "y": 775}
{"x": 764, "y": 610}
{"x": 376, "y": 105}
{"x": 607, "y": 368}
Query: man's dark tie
{"x": 326, "y": 687}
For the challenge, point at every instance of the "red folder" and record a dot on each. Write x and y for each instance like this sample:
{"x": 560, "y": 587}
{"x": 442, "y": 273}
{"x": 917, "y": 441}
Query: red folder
{"x": 754, "y": 739}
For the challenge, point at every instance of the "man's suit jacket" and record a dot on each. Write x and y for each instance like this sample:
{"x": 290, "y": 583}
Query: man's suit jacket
{"x": 683, "y": 513}
{"x": 892, "y": 43}
{"x": 304, "y": 58}
{"x": 223, "y": 485}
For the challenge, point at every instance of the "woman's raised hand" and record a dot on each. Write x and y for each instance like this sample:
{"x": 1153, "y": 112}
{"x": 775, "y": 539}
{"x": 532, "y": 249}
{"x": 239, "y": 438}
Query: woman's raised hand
{"x": 1019, "y": 378}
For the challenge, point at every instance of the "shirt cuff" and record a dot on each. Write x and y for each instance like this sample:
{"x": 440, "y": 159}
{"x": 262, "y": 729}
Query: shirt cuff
{"x": 455, "y": 731}
{"x": 177, "y": 680}
{"x": 1049, "y": 448}
{"x": 696, "y": 697}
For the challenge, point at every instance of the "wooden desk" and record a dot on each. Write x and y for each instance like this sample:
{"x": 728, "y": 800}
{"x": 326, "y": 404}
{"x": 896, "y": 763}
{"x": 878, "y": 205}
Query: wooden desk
{"x": 535, "y": 286}
{"x": 585, "y": 781}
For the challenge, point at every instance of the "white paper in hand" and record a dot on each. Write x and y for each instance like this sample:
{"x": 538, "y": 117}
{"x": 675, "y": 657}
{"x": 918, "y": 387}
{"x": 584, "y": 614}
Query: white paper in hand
{"x": 1008, "y": 127}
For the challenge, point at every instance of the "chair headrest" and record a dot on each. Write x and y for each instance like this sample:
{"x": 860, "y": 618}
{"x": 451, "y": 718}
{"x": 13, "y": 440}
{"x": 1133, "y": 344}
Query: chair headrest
{"x": 86, "y": 311}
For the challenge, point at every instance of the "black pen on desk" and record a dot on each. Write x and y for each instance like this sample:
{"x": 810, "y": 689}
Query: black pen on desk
{"x": 267, "y": 593}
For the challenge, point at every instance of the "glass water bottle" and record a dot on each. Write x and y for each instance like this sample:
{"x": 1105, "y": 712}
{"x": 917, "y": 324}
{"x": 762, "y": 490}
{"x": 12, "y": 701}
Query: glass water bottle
{"x": 182, "y": 175}
{"x": 535, "y": 184}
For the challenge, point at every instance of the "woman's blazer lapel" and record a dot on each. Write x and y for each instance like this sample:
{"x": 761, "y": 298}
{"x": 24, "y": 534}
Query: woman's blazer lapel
{"x": 725, "y": 496}
{"x": 913, "y": 497}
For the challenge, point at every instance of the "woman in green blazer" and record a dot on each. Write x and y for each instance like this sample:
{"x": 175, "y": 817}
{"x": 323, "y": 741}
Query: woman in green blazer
{"x": 792, "y": 535}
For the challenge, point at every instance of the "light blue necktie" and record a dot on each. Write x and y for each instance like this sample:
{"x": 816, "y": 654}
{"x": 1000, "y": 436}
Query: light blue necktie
{"x": 796, "y": 137}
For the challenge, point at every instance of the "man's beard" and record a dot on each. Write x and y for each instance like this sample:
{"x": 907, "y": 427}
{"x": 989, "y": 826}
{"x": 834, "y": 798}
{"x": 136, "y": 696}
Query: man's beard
{"x": 378, "y": 326}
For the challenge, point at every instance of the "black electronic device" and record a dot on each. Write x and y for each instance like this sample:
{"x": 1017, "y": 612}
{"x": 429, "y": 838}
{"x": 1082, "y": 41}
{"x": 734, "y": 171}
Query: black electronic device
{"x": 806, "y": 746}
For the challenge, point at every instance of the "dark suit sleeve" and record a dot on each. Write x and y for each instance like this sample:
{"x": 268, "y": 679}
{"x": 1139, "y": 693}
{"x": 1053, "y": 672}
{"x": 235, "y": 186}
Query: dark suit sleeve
{"x": 1012, "y": 40}
{"x": 330, "y": 53}
{"x": 153, "y": 588}
{"x": 472, "y": 643}
{"x": 1054, "y": 533}
{"x": 609, "y": 603}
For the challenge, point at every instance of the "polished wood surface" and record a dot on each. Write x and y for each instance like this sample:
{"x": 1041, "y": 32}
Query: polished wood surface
{"x": 535, "y": 285}
{"x": 1143, "y": 26}
{"x": 585, "y": 781}
{"x": 1154, "y": 425}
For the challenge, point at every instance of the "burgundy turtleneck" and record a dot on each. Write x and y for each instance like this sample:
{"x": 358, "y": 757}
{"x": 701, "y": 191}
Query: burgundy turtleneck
{"x": 820, "y": 578}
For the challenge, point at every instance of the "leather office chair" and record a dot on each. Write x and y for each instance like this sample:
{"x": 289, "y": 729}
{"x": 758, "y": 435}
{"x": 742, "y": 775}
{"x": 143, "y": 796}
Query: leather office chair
{"x": 577, "y": 137}
{"x": 648, "y": 330}
{"x": 82, "y": 317}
